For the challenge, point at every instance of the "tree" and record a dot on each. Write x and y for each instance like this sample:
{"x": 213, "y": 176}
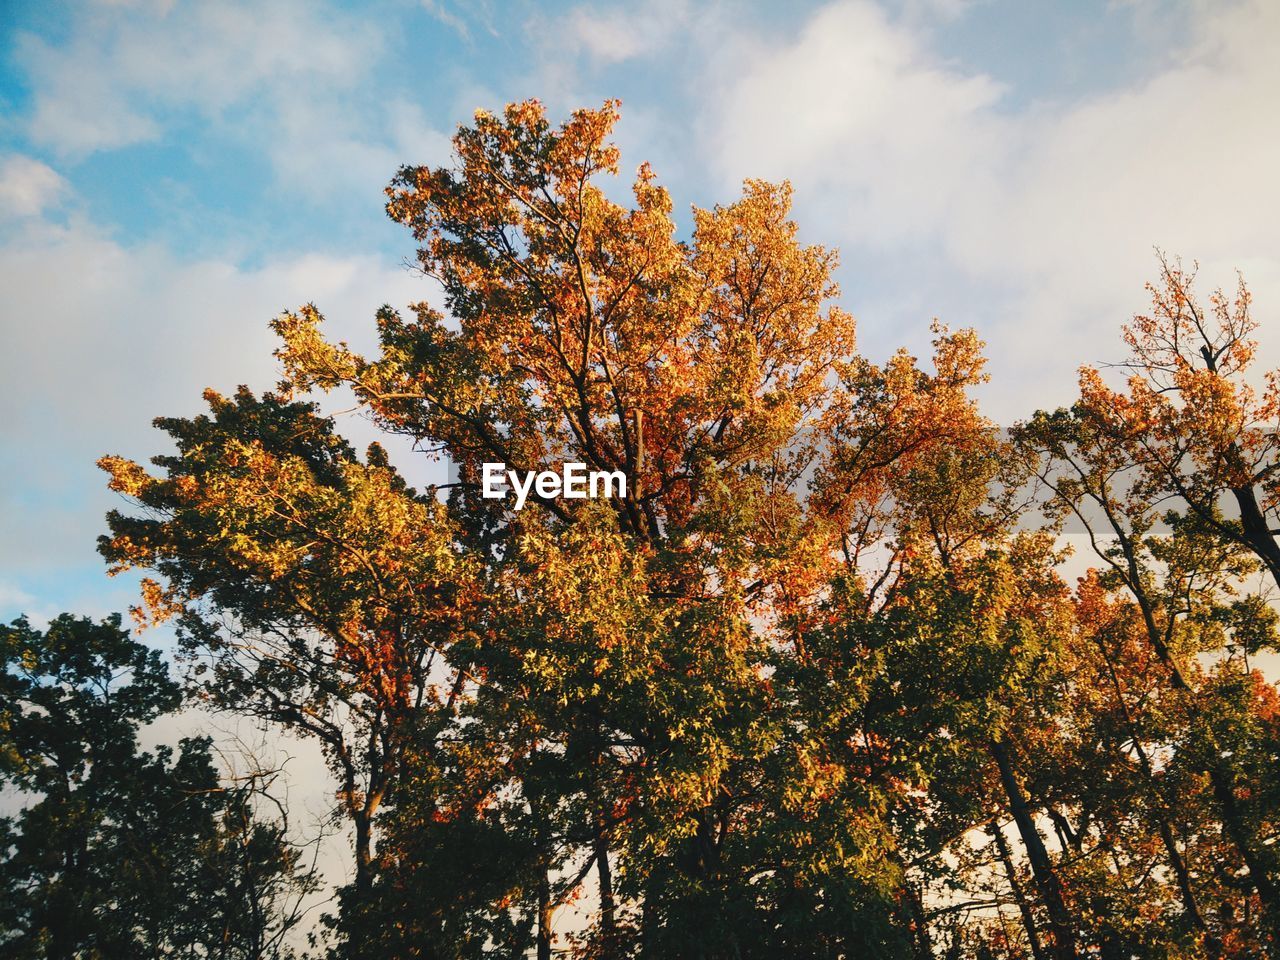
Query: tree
{"x": 117, "y": 852}
{"x": 1147, "y": 475}
{"x": 956, "y": 625}
{"x": 1206, "y": 435}
{"x": 811, "y": 686}
{"x": 312, "y": 589}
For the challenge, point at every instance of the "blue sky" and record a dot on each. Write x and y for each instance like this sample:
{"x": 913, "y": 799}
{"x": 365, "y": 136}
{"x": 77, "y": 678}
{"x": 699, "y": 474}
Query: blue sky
{"x": 173, "y": 174}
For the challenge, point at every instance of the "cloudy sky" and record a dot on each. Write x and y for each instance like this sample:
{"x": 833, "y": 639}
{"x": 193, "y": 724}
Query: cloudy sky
{"x": 173, "y": 174}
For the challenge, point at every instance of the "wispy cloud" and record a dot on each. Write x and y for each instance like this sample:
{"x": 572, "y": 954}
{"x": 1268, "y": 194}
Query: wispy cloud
{"x": 101, "y": 337}
{"x": 287, "y": 79}
{"x": 28, "y": 187}
{"x": 459, "y": 18}
{"x": 1052, "y": 209}
{"x": 858, "y": 109}
{"x": 294, "y": 82}
{"x": 122, "y": 73}
{"x": 621, "y": 32}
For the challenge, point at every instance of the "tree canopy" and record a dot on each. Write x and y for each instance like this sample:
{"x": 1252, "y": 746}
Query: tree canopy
{"x": 816, "y": 685}
{"x": 117, "y": 852}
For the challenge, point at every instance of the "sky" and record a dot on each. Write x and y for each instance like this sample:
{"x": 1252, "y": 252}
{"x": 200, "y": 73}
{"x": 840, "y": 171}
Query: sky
{"x": 174, "y": 174}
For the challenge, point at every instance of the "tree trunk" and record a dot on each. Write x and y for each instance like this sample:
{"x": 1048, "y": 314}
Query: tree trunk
{"x": 1221, "y": 778}
{"x": 545, "y": 914}
{"x": 1257, "y": 534}
{"x": 1223, "y": 782}
{"x": 919, "y": 924}
{"x": 649, "y": 920}
{"x": 911, "y": 910}
{"x": 608, "y": 920}
{"x": 1024, "y": 908}
{"x": 1176, "y": 863}
{"x": 364, "y": 853}
{"x": 1046, "y": 879}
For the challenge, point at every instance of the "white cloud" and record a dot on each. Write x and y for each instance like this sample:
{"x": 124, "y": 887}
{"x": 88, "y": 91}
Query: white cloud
{"x": 943, "y": 9}
{"x": 619, "y": 33}
{"x": 110, "y": 84}
{"x": 1047, "y": 213}
{"x": 442, "y": 12}
{"x": 28, "y": 187}
{"x": 856, "y": 105}
{"x": 14, "y": 600}
{"x": 415, "y": 140}
{"x": 101, "y": 337}
{"x": 287, "y": 80}
{"x": 313, "y": 153}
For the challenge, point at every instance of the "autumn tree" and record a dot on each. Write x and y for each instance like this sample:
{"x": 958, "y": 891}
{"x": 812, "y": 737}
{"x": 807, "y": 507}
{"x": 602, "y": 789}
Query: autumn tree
{"x": 586, "y": 331}
{"x": 312, "y": 589}
{"x": 954, "y": 625}
{"x": 578, "y": 330}
{"x": 1155, "y": 477}
{"x": 814, "y": 685}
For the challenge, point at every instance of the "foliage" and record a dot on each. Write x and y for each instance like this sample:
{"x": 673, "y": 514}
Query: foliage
{"x": 816, "y": 685}
{"x": 117, "y": 852}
